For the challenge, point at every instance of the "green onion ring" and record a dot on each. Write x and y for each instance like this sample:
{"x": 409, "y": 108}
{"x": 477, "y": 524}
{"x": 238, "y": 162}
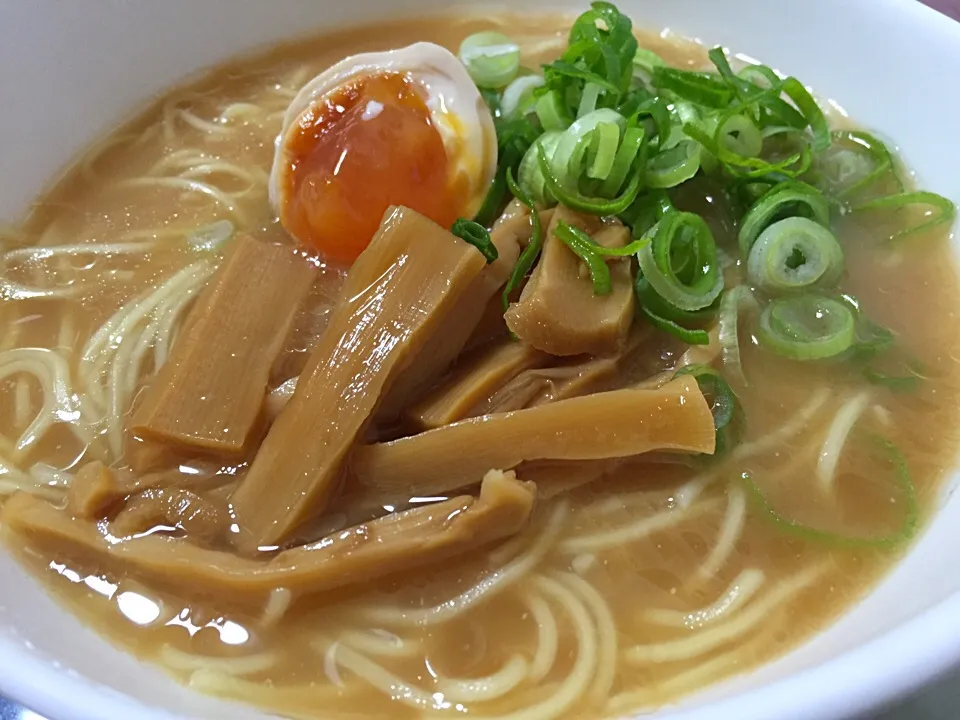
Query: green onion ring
{"x": 529, "y": 175}
{"x": 518, "y": 98}
{"x": 674, "y": 165}
{"x": 729, "y": 329}
{"x": 795, "y": 254}
{"x": 908, "y": 527}
{"x": 575, "y": 201}
{"x": 786, "y": 199}
{"x": 551, "y": 113}
{"x": 657, "y": 261}
{"x": 724, "y": 405}
{"x": 943, "y": 211}
{"x": 748, "y": 142}
{"x": 532, "y": 251}
{"x": 861, "y": 145}
{"x": 807, "y": 327}
{"x": 491, "y": 59}
{"x": 477, "y": 235}
{"x": 584, "y": 247}
{"x": 690, "y": 337}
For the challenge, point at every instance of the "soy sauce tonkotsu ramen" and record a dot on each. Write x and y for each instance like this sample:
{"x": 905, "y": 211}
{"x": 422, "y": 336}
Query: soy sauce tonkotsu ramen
{"x": 520, "y": 366}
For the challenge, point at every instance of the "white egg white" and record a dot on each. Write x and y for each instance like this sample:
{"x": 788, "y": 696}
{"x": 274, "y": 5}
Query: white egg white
{"x": 457, "y": 111}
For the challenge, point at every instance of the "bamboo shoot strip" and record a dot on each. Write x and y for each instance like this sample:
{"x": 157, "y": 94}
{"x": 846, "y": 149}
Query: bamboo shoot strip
{"x": 397, "y": 293}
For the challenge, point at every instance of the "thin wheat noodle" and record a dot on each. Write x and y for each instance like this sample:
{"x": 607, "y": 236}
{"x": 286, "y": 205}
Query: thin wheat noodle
{"x": 575, "y": 685}
{"x": 380, "y": 643}
{"x": 494, "y": 583}
{"x": 730, "y": 532}
{"x": 483, "y": 689}
{"x": 243, "y": 665}
{"x": 548, "y": 636}
{"x": 606, "y": 634}
{"x": 706, "y": 641}
{"x": 743, "y": 587}
{"x": 391, "y": 685}
{"x": 836, "y": 439}
{"x": 636, "y": 530}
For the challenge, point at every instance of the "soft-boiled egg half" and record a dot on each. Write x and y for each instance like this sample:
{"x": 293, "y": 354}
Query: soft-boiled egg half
{"x": 404, "y": 127}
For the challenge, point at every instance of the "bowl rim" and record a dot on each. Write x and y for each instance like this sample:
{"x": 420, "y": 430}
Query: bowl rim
{"x": 917, "y": 650}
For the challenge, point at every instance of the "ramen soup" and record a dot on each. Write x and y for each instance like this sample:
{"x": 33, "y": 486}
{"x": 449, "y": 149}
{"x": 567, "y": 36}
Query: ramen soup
{"x": 525, "y": 367}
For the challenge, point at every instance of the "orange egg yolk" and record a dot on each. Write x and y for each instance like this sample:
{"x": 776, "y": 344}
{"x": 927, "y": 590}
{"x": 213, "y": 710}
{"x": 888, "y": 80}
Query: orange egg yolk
{"x": 355, "y": 152}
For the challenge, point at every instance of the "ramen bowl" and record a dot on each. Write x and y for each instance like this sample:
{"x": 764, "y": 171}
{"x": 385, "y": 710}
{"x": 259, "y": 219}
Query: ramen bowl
{"x": 71, "y": 72}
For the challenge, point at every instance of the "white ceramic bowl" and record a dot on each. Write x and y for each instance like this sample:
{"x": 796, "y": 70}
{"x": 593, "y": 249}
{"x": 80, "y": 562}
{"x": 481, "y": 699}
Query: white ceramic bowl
{"x": 70, "y": 71}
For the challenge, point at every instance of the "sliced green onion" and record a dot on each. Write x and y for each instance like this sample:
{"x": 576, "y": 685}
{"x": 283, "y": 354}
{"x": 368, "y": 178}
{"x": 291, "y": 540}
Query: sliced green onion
{"x": 713, "y": 142}
{"x": 600, "y": 51}
{"x": 647, "y": 61}
{"x": 708, "y": 141}
{"x": 856, "y": 161}
{"x": 532, "y": 251}
{"x": 658, "y": 110}
{"x": 673, "y": 166}
{"x": 772, "y": 131}
{"x": 491, "y": 58}
{"x": 570, "y": 71}
{"x": 551, "y": 112}
{"x": 585, "y": 248}
{"x": 774, "y": 110}
{"x": 690, "y": 337}
{"x": 529, "y": 174}
{"x": 897, "y": 383}
{"x": 698, "y": 87}
{"x": 872, "y": 345}
{"x": 572, "y": 147}
{"x": 811, "y": 111}
{"x": 941, "y": 211}
{"x": 902, "y": 481}
{"x": 719, "y": 58}
{"x": 514, "y": 138}
{"x": 649, "y": 299}
{"x": 646, "y": 212}
{"x": 518, "y": 98}
{"x": 795, "y": 254}
{"x": 574, "y": 200}
{"x": 630, "y": 148}
{"x": 682, "y": 239}
{"x": 787, "y": 199}
{"x": 492, "y": 100}
{"x": 792, "y": 166}
{"x": 604, "y": 145}
{"x": 724, "y": 405}
{"x": 760, "y": 75}
{"x": 871, "y": 339}
{"x": 807, "y": 327}
{"x": 740, "y": 135}
{"x": 478, "y": 236}
{"x": 685, "y": 112}
{"x": 588, "y": 101}
{"x": 729, "y": 329}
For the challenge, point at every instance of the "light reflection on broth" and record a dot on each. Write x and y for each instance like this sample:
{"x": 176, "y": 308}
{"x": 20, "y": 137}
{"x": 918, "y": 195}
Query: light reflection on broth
{"x": 627, "y": 593}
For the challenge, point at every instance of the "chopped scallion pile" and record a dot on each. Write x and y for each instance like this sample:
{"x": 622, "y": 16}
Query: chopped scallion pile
{"x": 611, "y": 129}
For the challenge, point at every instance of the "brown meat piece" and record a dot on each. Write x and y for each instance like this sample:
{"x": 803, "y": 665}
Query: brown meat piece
{"x": 558, "y": 311}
